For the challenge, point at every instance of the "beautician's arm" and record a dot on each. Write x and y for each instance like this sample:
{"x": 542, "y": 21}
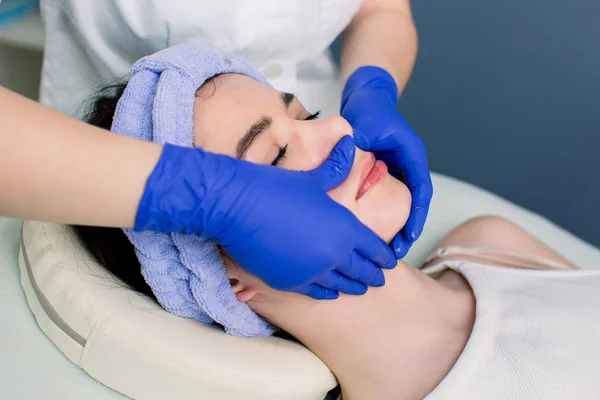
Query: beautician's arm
{"x": 55, "y": 168}
{"x": 382, "y": 34}
{"x": 378, "y": 54}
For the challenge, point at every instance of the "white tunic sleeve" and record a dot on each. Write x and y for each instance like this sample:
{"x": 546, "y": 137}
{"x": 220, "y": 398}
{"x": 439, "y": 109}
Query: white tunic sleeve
{"x": 92, "y": 42}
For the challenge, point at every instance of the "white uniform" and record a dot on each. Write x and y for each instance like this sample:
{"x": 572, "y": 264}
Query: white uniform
{"x": 90, "y": 42}
{"x": 536, "y": 336}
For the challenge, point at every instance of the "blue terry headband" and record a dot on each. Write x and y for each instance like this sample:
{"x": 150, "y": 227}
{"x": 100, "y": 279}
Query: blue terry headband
{"x": 186, "y": 272}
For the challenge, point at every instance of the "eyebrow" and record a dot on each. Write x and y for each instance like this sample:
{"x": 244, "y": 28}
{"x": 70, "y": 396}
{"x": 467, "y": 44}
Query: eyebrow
{"x": 287, "y": 98}
{"x": 251, "y": 134}
{"x": 259, "y": 127}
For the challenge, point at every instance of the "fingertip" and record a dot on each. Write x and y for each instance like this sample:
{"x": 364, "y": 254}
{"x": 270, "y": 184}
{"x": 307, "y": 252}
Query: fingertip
{"x": 415, "y": 234}
{"x": 415, "y": 224}
{"x": 409, "y": 232}
{"x": 391, "y": 260}
{"x": 362, "y": 289}
{"x": 313, "y": 291}
{"x": 418, "y": 223}
{"x": 400, "y": 247}
{"x": 337, "y": 281}
{"x": 331, "y": 295}
{"x": 379, "y": 280}
{"x": 386, "y": 259}
{"x": 360, "y": 140}
{"x": 346, "y": 140}
{"x": 372, "y": 248}
{"x": 346, "y": 151}
{"x": 412, "y": 235}
{"x": 315, "y": 296}
{"x": 346, "y": 146}
{"x": 333, "y": 171}
{"x": 353, "y": 286}
{"x": 400, "y": 253}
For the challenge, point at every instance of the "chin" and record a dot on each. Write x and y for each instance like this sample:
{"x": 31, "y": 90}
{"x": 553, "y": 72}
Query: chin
{"x": 385, "y": 208}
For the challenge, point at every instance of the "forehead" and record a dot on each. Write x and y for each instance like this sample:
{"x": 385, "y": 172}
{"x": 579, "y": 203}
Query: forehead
{"x": 226, "y": 107}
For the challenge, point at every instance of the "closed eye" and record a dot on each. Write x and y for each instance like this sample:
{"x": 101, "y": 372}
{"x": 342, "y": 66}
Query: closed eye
{"x": 314, "y": 116}
{"x": 280, "y": 155}
{"x": 289, "y": 98}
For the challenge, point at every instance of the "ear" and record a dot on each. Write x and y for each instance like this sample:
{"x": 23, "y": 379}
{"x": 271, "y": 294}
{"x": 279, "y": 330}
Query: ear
{"x": 243, "y": 292}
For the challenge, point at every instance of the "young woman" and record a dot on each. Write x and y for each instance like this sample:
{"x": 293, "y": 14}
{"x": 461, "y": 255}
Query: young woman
{"x": 483, "y": 319}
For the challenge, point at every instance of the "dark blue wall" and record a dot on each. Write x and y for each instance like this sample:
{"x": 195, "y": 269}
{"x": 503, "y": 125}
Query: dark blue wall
{"x": 506, "y": 95}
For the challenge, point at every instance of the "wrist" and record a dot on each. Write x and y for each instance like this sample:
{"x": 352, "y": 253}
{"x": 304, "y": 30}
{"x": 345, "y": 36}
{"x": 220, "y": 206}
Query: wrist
{"x": 174, "y": 192}
{"x": 371, "y": 78}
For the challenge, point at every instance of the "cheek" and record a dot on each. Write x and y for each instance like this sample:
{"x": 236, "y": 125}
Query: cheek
{"x": 311, "y": 142}
{"x": 304, "y": 155}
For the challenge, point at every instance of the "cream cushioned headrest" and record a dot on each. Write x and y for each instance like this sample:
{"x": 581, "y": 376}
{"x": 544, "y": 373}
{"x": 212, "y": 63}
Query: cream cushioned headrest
{"x": 126, "y": 341}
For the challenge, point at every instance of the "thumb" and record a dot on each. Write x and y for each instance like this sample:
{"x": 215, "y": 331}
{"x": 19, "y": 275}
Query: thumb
{"x": 361, "y": 139}
{"x": 336, "y": 168}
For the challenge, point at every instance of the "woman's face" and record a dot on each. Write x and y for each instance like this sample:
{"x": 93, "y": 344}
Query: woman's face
{"x": 239, "y": 117}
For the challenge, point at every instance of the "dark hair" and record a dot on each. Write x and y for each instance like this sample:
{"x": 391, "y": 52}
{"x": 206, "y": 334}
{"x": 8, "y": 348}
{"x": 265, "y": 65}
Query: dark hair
{"x": 109, "y": 246}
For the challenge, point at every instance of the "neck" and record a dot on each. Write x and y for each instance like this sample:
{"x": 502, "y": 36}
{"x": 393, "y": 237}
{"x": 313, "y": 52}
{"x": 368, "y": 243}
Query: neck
{"x": 395, "y": 342}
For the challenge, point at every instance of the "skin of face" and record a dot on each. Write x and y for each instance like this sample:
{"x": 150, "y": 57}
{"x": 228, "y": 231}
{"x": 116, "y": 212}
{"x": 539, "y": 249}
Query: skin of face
{"x": 228, "y": 105}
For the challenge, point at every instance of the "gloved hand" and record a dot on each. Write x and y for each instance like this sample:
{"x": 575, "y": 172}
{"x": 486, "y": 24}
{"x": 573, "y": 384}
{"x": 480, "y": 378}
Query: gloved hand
{"x": 369, "y": 105}
{"x": 280, "y": 225}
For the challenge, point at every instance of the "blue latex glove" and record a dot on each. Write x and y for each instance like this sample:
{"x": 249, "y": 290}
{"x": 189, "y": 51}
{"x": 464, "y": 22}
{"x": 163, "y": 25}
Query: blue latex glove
{"x": 279, "y": 224}
{"x": 369, "y": 105}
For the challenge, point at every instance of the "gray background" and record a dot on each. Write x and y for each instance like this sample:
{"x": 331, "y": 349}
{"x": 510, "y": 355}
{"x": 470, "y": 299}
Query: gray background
{"x": 506, "y": 95}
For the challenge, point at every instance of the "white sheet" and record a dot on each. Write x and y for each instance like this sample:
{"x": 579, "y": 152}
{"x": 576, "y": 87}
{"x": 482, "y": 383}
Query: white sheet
{"x": 31, "y": 367}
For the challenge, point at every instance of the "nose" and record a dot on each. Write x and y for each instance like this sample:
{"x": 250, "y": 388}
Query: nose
{"x": 316, "y": 139}
{"x": 338, "y": 127}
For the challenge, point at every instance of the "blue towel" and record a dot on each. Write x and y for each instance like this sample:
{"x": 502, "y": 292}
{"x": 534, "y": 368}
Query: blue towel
{"x": 186, "y": 272}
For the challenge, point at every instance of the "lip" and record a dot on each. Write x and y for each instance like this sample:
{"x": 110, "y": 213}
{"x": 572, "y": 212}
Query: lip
{"x": 372, "y": 173}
